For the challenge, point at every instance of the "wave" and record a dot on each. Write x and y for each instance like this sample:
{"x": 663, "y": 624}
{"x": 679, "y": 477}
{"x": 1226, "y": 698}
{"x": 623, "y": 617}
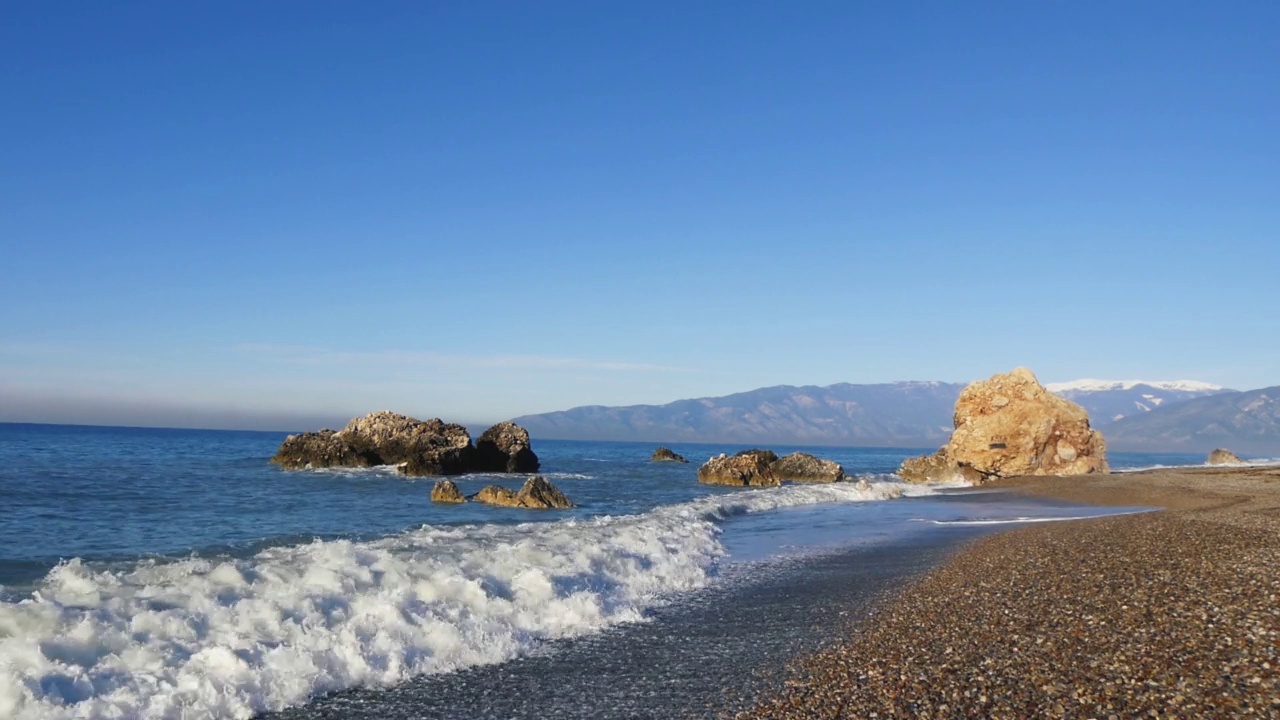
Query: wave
{"x": 1255, "y": 463}
{"x": 237, "y": 637}
{"x": 1027, "y": 519}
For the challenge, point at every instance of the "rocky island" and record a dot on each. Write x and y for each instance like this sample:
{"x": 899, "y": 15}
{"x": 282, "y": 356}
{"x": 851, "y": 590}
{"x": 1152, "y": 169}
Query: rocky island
{"x": 417, "y": 447}
{"x": 763, "y": 468}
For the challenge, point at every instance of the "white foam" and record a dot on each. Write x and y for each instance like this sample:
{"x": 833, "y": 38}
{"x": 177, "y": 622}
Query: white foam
{"x": 1025, "y": 520}
{"x": 203, "y": 637}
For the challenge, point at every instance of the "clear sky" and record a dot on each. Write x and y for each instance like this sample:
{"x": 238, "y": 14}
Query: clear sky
{"x": 266, "y": 213}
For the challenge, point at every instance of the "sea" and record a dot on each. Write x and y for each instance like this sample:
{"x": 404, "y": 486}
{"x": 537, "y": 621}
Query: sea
{"x": 166, "y": 573}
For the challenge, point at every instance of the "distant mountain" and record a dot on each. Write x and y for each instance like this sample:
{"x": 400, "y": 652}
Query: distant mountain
{"x": 1245, "y": 422}
{"x": 902, "y": 414}
{"x": 1111, "y": 400}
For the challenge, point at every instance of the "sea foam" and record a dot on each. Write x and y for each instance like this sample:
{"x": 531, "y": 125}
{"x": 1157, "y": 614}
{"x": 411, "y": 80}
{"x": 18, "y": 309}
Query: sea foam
{"x": 227, "y": 637}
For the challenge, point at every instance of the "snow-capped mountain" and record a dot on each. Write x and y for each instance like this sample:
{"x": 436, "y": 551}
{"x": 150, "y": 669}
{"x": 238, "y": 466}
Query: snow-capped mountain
{"x": 1110, "y": 400}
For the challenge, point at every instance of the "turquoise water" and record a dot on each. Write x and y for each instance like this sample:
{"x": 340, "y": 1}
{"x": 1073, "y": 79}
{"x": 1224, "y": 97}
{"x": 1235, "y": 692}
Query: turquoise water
{"x": 172, "y": 573}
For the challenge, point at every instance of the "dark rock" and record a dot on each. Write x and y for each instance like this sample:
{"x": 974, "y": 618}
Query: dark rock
{"x": 663, "y": 454}
{"x": 505, "y": 447}
{"x": 803, "y": 467}
{"x": 322, "y": 449}
{"x": 768, "y": 456}
{"x": 445, "y": 491}
{"x": 744, "y": 469}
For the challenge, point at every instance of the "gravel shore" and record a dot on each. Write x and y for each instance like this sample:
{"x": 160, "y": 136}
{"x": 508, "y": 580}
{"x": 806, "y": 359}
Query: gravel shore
{"x": 1164, "y": 614}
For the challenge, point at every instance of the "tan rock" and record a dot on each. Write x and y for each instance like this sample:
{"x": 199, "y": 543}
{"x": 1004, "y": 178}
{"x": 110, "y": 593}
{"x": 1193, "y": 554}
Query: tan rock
{"x": 1010, "y": 425}
{"x": 748, "y": 468}
{"x": 1223, "y": 456}
{"x": 803, "y": 467}
{"x": 536, "y": 493}
{"x": 445, "y": 491}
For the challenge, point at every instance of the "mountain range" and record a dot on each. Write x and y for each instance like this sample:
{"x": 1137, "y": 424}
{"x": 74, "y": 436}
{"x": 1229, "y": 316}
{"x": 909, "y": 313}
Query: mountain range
{"x": 1135, "y": 415}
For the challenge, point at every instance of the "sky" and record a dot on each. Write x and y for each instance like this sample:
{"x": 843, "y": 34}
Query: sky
{"x": 273, "y": 214}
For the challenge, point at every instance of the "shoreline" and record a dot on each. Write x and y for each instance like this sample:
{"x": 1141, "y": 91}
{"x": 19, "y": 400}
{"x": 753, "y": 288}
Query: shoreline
{"x": 1172, "y": 613}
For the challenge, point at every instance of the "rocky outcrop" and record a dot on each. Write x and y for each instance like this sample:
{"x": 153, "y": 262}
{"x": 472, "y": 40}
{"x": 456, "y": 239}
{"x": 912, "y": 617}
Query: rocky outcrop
{"x": 803, "y": 467}
{"x": 418, "y": 447}
{"x": 1011, "y": 425}
{"x": 536, "y": 493}
{"x": 748, "y": 468}
{"x": 445, "y": 491}
{"x": 768, "y": 456}
{"x": 505, "y": 447}
{"x": 1223, "y": 456}
{"x": 663, "y": 454}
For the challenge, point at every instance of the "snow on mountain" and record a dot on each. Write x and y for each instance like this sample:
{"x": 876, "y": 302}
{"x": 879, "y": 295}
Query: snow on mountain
{"x": 1089, "y": 385}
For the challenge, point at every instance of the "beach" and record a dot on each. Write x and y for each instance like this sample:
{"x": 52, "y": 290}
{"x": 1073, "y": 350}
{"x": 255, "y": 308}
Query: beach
{"x": 1173, "y": 613}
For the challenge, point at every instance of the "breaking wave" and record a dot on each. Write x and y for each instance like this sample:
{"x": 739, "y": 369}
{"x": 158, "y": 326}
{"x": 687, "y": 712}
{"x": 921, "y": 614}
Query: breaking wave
{"x": 234, "y": 637}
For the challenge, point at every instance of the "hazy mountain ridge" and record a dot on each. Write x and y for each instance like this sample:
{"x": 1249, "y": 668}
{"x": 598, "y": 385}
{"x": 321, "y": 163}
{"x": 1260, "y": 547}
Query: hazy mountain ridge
{"x": 902, "y": 414}
{"x": 1245, "y": 422}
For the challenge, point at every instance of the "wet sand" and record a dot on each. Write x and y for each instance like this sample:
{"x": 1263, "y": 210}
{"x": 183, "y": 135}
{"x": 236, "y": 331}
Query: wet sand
{"x": 1165, "y": 614}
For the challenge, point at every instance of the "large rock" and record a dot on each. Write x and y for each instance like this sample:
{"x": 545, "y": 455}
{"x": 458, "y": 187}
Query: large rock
{"x": 749, "y": 468}
{"x": 803, "y": 467}
{"x": 445, "y": 491}
{"x": 430, "y": 447}
{"x": 537, "y": 493}
{"x": 767, "y": 456}
{"x": 1223, "y": 456}
{"x": 505, "y": 447}
{"x": 663, "y": 454}
{"x": 1010, "y": 425}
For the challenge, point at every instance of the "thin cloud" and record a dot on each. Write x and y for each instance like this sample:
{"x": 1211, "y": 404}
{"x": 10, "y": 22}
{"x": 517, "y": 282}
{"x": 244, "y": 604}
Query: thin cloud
{"x": 307, "y": 355}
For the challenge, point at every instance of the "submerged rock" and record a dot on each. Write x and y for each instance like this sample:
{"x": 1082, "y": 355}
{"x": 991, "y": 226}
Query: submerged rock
{"x": 1011, "y": 425}
{"x": 536, "y": 493}
{"x": 748, "y": 468}
{"x": 803, "y": 467}
{"x": 445, "y": 491}
{"x": 505, "y": 447}
{"x": 1223, "y": 456}
{"x": 417, "y": 447}
{"x": 663, "y": 454}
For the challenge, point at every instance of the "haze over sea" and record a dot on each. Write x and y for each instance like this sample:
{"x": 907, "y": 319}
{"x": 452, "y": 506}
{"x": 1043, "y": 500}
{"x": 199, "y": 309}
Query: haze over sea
{"x": 153, "y": 572}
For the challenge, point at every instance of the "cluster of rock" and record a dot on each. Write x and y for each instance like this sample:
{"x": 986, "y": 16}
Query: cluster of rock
{"x": 663, "y": 454}
{"x": 537, "y": 493}
{"x": 1011, "y": 425}
{"x": 1223, "y": 456}
{"x": 418, "y": 447}
{"x": 763, "y": 468}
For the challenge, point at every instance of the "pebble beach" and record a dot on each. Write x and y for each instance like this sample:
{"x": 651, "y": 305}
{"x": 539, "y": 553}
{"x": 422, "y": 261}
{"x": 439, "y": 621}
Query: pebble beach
{"x": 1166, "y": 614}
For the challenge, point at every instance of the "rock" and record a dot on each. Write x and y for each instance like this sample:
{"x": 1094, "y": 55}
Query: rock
{"x": 537, "y": 493}
{"x": 803, "y": 467}
{"x": 1223, "y": 456}
{"x": 666, "y": 455}
{"x": 497, "y": 495}
{"x": 505, "y": 447}
{"x": 937, "y": 467}
{"x": 322, "y": 449}
{"x": 747, "y": 468}
{"x": 417, "y": 447}
{"x": 768, "y": 456}
{"x": 445, "y": 491}
{"x": 1010, "y": 425}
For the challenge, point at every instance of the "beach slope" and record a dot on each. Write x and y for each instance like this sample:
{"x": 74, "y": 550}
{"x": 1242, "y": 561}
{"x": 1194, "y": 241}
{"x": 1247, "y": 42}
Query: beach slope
{"x": 1164, "y": 614}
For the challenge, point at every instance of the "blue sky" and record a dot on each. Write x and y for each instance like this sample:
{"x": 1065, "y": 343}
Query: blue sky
{"x": 267, "y": 213}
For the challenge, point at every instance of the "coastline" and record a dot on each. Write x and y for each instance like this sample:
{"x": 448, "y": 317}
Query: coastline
{"x": 1172, "y": 613}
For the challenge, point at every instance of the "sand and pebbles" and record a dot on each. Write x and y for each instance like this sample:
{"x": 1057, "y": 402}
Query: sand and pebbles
{"x": 1165, "y": 614}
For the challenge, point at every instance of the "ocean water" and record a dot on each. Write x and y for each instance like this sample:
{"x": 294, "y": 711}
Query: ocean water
{"x": 177, "y": 574}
